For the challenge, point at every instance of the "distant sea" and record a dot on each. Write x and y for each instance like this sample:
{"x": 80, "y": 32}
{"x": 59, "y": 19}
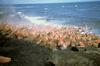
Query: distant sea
{"x": 79, "y": 14}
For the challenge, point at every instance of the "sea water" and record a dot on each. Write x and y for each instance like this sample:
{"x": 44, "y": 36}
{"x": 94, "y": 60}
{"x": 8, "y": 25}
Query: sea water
{"x": 85, "y": 14}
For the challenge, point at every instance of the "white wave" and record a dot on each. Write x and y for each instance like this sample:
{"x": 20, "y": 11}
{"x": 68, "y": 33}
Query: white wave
{"x": 45, "y": 8}
{"x": 40, "y": 21}
{"x": 63, "y": 6}
{"x": 36, "y": 20}
{"x": 20, "y": 14}
{"x": 75, "y": 6}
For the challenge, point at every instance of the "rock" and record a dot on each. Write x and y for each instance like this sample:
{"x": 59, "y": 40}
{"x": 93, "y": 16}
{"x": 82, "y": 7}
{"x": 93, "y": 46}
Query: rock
{"x": 74, "y": 49}
{"x": 5, "y": 59}
{"x": 98, "y": 45}
{"x": 49, "y": 64}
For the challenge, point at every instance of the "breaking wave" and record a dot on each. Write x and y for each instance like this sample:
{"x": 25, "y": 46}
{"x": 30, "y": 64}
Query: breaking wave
{"x": 40, "y": 22}
{"x": 43, "y": 22}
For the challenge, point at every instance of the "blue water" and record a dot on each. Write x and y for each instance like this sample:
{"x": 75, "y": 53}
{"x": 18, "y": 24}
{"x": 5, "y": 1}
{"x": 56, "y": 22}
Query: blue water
{"x": 80, "y": 14}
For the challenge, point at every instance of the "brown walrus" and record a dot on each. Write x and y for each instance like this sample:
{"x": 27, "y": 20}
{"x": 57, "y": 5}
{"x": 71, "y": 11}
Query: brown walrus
{"x": 5, "y": 59}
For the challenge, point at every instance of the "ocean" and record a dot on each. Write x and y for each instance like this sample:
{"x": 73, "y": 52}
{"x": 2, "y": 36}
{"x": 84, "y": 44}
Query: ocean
{"x": 85, "y": 14}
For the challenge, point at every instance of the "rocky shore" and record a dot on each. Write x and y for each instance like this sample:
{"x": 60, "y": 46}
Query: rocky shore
{"x": 27, "y": 53}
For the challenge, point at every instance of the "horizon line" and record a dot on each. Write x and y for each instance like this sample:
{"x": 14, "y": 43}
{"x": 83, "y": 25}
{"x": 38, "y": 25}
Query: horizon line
{"x": 46, "y": 3}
